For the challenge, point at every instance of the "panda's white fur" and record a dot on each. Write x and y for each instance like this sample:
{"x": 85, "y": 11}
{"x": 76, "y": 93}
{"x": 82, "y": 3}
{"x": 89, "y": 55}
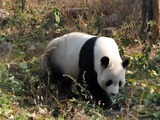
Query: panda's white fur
{"x": 114, "y": 71}
{"x": 66, "y": 54}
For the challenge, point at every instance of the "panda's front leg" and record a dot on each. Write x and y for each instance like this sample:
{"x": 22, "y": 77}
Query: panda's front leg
{"x": 88, "y": 81}
{"x": 99, "y": 95}
{"x": 80, "y": 86}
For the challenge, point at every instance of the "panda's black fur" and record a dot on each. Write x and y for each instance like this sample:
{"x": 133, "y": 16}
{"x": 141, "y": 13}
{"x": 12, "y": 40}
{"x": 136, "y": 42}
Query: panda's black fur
{"x": 86, "y": 67}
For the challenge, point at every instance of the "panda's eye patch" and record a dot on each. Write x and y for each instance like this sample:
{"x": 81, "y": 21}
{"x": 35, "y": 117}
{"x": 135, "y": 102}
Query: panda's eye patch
{"x": 109, "y": 83}
{"x": 120, "y": 83}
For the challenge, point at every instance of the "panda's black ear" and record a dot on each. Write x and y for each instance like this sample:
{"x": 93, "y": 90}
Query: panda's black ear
{"x": 104, "y": 61}
{"x": 125, "y": 63}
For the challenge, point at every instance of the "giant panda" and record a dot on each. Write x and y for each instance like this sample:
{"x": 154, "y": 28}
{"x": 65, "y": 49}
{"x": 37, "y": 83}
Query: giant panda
{"x": 87, "y": 57}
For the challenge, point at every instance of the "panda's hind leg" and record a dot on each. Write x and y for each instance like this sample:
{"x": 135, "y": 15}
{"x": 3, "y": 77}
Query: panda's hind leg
{"x": 66, "y": 88}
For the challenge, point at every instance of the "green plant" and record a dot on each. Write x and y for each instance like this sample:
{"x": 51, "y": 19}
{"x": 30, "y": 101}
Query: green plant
{"x": 28, "y": 29}
{"x": 57, "y": 16}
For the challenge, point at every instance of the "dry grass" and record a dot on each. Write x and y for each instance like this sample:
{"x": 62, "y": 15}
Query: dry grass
{"x": 30, "y": 30}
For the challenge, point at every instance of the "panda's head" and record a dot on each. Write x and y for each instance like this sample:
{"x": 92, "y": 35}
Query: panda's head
{"x": 112, "y": 75}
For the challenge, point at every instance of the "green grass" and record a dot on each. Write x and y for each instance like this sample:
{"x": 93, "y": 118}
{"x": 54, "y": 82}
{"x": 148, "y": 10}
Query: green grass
{"x": 23, "y": 96}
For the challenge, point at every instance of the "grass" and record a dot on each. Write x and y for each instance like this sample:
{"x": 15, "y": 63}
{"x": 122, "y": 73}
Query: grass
{"x": 24, "y": 35}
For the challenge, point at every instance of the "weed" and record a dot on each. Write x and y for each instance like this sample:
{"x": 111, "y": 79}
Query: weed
{"x": 29, "y": 27}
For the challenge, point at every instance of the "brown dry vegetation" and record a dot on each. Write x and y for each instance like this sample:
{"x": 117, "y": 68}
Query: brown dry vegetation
{"x": 25, "y": 33}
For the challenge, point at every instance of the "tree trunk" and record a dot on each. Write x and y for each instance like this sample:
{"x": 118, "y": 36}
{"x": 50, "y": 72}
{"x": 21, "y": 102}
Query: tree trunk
{"x": 150, "y": 12}
{"x": 147, "y": 15}
{"x": 156, "y": 16}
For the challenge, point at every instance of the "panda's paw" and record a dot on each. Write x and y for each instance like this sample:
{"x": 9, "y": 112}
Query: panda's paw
{"x": 72, "y": 95}
{"x": 116, "y": 106}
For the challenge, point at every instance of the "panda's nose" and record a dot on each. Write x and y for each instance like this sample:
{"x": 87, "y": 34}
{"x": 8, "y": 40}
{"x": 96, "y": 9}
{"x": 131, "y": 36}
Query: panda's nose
{"x": 113, "y": 94}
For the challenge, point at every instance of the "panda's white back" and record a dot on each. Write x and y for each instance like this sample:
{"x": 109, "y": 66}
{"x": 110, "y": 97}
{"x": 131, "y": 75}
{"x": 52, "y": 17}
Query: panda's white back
{"x": 66, "y": 54}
